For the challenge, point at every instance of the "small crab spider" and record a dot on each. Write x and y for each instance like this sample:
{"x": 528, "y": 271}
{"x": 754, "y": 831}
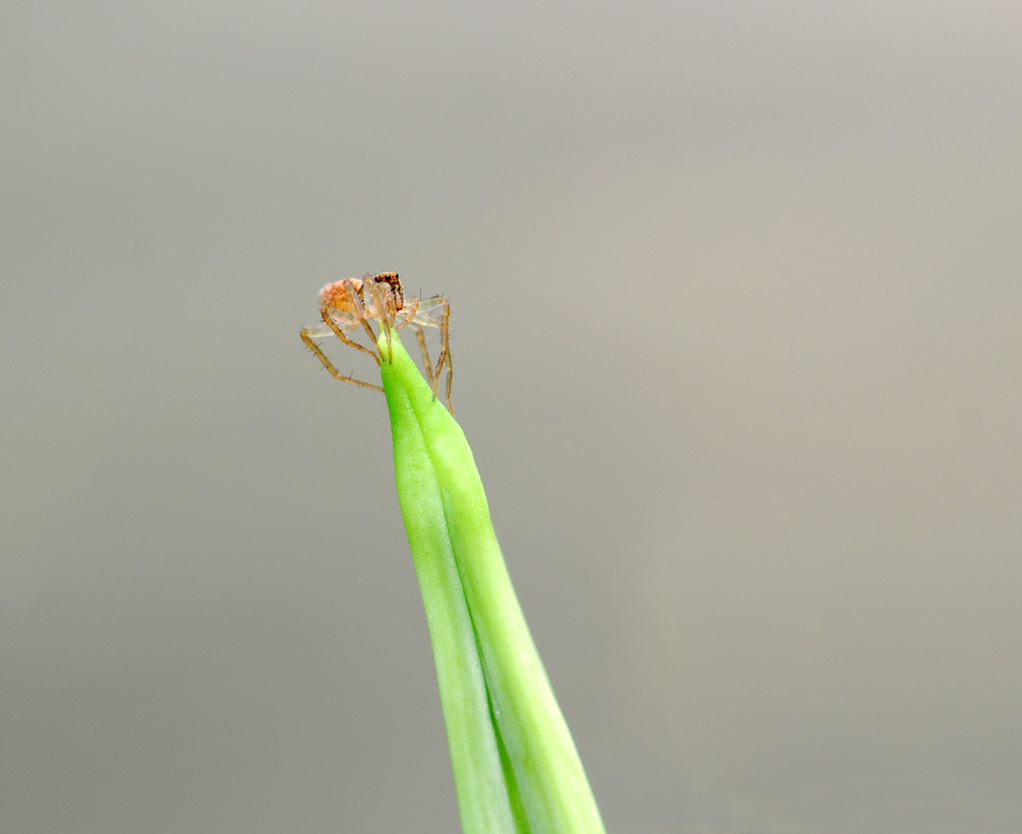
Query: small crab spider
{"x": 351, "y": 303}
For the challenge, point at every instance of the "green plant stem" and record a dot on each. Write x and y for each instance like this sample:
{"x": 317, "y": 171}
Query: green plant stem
{"x": 515, "y": 765}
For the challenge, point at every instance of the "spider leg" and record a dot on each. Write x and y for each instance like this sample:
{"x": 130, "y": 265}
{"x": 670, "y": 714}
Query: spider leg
{"x": 450, "y": 372}
{"x": 356, "y": 296}
{"x": 406, "y": 316}
{"x": 408, "y": 312}
{"x": 322, "y": 357}
{"x": 325, "y": 313}
{"x": 372, "y": 336}
{"x": 427, "y": 364}
{"x": 445, "y": 351}
{"x": 386, "y": 311}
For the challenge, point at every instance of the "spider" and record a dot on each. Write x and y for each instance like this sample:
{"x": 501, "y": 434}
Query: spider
{"x": 351, "y": 303}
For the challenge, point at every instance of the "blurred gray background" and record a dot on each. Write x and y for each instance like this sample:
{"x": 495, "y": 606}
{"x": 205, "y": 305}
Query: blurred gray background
{"x": 736, "y": 326}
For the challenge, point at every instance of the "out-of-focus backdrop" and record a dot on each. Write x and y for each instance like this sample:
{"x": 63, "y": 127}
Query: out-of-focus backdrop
{"x": 737, "y": 305}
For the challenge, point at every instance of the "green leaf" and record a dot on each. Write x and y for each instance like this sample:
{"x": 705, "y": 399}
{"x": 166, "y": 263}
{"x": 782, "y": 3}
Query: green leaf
{"x": 515, "y": 765}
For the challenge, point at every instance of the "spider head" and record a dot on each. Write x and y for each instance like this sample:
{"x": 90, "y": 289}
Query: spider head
{"x": 394, "y": 283}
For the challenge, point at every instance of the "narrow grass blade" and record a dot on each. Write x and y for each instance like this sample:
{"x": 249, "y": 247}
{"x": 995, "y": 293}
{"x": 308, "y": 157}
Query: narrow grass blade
{"x": 515, "y": 765}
